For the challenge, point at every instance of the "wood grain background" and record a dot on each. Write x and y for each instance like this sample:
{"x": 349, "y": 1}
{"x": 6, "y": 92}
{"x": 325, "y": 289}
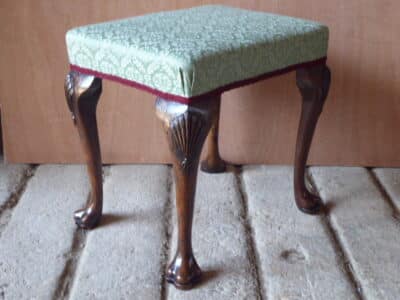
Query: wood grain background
{"x": 359, "y": 125}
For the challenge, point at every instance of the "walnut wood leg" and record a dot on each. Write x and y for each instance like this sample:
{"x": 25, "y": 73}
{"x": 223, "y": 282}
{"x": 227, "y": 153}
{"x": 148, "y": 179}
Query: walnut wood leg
{"x": 186, "y": 127}
{"x": 83, "y": 93}
{"x": 213, "y": 162}
{"x": 313, "y": 83}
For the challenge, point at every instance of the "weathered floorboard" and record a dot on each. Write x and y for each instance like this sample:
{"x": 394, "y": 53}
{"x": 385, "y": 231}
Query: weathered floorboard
{"x": 123, "y": 257}
{"x": 219, "y": 242}
{"x": 363, "y": 221}
{"x": 36, "y": 243}
{"x": 296, "y": 253}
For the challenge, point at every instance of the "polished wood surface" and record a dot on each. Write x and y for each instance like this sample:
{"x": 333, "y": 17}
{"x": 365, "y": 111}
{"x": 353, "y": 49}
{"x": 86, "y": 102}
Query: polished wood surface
{"x": 359, "y": 125}
{"x": 313, "y": 84}
{"x": 186, "y": 127}
{"x": 213, "y": 163}
{"x": 82, "y": 93}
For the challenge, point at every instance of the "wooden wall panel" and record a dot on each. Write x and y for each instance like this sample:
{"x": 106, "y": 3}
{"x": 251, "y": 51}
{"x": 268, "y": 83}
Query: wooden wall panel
{"x": 359, "y": 125}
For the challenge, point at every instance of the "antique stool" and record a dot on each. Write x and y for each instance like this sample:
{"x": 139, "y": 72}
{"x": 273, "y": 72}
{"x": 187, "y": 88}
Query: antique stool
{"x": 188, "y": 58}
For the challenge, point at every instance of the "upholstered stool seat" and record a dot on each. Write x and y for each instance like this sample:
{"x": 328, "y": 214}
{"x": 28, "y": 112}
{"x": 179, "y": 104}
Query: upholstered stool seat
{"x": 188, "y": 58}
{"x": 187, "y": 53}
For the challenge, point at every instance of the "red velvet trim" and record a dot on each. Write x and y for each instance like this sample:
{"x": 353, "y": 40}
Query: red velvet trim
{"x": 216, "y": 91}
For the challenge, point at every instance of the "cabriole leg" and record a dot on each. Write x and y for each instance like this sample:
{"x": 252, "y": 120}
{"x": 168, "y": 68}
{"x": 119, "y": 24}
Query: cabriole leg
{"x": 186, "y": 127}
{"x": 313, "y": 83}
{"x": 83, "y": 93}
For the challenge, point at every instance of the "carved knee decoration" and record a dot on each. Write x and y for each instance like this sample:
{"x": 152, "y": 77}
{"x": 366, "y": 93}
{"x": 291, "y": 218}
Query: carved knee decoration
{"x": 186, "y": 127}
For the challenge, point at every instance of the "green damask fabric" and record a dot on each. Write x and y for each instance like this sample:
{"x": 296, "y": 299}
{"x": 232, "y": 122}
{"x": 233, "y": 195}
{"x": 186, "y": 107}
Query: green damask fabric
{"x": 192, "y": 51}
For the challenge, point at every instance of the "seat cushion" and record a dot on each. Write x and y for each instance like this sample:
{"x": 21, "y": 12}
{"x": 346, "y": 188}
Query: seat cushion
{"x": 185, "y": 54}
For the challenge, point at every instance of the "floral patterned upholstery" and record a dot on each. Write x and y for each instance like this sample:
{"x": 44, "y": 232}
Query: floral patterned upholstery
{"x": 187, "y": 53}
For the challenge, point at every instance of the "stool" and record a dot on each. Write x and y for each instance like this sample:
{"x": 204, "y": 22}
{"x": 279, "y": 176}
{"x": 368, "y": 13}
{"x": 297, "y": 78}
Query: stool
{"x": 188, "y": 58}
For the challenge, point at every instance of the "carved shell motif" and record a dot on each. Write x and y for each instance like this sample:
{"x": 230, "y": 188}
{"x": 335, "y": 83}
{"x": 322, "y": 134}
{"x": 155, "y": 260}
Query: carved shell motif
{"x": 187, "y": 136}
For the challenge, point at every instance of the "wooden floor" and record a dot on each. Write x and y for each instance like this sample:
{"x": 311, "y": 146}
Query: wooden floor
{"x": 249, "y": 238}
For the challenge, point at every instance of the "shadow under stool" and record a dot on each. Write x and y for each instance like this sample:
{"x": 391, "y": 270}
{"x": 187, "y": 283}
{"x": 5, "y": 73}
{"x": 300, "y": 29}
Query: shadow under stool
{"x": 188, "y": 58}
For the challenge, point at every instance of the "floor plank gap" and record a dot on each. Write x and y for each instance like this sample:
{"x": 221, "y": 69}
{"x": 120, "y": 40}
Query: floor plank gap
{"x": 167, "y": 215}
{"x": 12, "y": 201}
{"x": 67, "y": 276}
{"x": 386, "y": 196}
{"x": 252, "y": 250}
{"x": 338, "y": 246}
{"x": 66, "y": 279}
